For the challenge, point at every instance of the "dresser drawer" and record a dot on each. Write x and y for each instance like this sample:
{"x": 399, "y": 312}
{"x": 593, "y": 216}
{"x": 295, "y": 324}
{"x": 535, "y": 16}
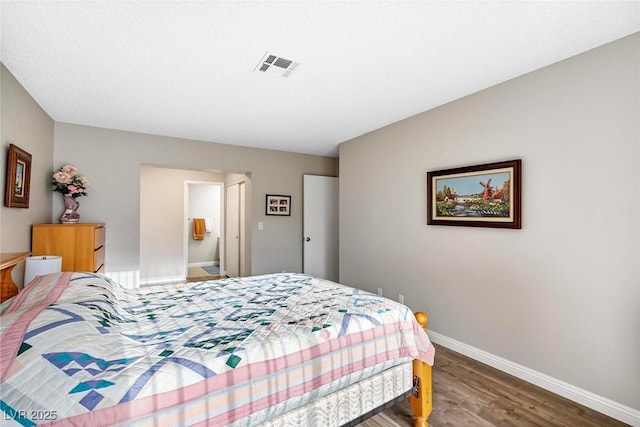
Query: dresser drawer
{"x": 98, "y": 259}
{"x": 98, "y": 237}
{"x": 81, "y": 245}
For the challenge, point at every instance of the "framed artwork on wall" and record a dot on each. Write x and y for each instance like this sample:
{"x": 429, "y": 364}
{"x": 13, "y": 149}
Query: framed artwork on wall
{"x": 487, "y": 195}
{"x": 18, "y": 178}
{"x": 278, "y": 205}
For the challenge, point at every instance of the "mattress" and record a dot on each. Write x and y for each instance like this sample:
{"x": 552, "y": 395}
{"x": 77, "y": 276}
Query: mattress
{"x": 242, "y": 350}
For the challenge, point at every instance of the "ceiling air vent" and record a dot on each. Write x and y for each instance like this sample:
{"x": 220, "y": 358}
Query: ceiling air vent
{"x": 276, "y": 65}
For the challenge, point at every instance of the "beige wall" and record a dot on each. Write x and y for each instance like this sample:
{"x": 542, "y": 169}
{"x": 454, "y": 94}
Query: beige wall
{"x": 562, "y": 295}
{"x": 162, "y": 221}
{"x": 25, "y": 124}
{"x": 111, "y": 159}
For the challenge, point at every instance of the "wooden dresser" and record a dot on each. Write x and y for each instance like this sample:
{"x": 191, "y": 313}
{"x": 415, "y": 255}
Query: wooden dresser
{"x": 80, "y": 245}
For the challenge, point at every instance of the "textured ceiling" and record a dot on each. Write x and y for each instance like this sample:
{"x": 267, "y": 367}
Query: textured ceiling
{"x": 188, "y": 69}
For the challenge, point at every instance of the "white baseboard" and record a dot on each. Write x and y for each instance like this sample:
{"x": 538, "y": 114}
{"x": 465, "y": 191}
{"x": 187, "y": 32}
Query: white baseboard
{"x": 203, "y": 264}
{"x": 598, "y": 403}
{"x": 162, "y": 280}
{"x": 128, "y": 279}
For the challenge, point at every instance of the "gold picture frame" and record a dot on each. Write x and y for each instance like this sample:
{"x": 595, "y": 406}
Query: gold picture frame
{"x": 18, "y": 178}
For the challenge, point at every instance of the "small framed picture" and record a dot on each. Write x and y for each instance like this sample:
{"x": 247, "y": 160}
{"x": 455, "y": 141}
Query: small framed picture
{"x": 277, "y": 204}
{"x": 18, "y": 178}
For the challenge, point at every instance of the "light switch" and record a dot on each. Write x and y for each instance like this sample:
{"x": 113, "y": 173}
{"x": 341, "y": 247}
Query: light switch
{"x": 260, "y": 225}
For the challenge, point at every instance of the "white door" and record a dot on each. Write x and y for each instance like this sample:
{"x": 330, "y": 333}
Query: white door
{"x": 241, "y": 221}
{"x": 232, "y": 235}
{"x": 320, "y": 226}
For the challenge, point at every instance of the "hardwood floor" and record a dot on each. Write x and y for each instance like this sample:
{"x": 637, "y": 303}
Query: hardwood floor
{"x": 470, "y": 393}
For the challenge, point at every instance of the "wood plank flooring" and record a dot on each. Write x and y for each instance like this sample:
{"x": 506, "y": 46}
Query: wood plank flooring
{"x": 470, "y": 393}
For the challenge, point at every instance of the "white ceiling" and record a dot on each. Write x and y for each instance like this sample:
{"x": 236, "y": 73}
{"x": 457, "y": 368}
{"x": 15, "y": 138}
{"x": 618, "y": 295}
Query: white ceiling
{"x": 187, "y": 68}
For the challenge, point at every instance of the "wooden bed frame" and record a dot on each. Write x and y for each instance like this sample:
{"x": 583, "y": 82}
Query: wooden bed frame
{"x": 420, "y": 399}
{"x": 8, "y": 260}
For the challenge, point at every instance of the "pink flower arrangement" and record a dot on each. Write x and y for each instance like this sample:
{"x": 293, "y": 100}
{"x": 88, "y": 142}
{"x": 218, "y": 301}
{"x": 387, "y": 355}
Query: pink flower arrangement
{"x": 67, "y": 180}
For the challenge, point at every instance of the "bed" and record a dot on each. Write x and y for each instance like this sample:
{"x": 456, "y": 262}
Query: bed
{"x": 278, "y": 349}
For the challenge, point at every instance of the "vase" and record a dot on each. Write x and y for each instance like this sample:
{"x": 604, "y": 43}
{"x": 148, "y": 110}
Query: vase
{"x": 71, "y": 206}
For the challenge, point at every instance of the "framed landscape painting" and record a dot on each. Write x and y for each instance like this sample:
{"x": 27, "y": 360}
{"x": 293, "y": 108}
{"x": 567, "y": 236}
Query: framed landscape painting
{"x": 485, "y": 195}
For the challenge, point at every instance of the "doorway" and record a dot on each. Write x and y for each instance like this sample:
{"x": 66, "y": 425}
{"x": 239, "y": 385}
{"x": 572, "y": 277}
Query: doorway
{"x": 205, "y": 221}
{"x": 164, "y": 221}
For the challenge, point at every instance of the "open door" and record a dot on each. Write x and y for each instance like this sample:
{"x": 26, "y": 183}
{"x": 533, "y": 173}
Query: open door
{"x": 235, "y": 225}
{"x": 320, "y": 226}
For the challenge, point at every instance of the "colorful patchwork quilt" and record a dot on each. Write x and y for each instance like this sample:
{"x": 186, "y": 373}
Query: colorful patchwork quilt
{"x": 79, "y": 349}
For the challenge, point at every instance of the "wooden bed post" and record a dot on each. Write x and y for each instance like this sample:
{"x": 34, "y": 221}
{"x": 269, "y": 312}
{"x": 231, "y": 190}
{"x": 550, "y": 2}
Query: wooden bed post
{"x": 421, "y": 399}
{"x": 8, "y": 260}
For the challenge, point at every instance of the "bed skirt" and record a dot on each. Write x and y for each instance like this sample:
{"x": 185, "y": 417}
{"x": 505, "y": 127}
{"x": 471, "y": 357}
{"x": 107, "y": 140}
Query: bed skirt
{"x": 352, "y": 404}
